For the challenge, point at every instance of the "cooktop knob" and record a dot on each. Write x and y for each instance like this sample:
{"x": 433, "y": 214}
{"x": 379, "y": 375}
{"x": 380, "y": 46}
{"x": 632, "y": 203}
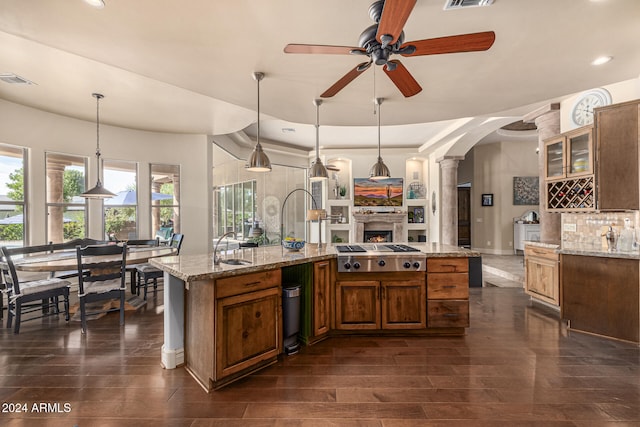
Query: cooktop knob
{"x": 356, "y": 265}
{"x": 347, "y": 265}
{"x": 381, "y": 263}
{"x": 416, "y": 264}
{"x": 407, "y": 264}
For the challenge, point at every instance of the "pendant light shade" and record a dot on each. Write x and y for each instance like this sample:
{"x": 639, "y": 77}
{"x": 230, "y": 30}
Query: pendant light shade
{"x": 318, "y": 171}
{"x": 379, "y": 170}
{"x": 258, "y": 161}
{"x": 98, "y": 192}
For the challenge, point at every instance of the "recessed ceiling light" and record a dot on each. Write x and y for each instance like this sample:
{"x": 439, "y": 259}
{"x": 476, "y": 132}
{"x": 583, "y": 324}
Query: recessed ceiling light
{"x": 98, "y": 4}
{"x": 601, "y": 60}
{"x": 288, "y": 130}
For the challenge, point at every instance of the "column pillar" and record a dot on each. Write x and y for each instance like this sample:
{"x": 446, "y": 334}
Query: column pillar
{"x": 155, "y": 209}
{"x": 547, "y": 120}
{"x": 55, "y": 183}
{"x": 449, "y": 199}
{"x": 176, "y": 201}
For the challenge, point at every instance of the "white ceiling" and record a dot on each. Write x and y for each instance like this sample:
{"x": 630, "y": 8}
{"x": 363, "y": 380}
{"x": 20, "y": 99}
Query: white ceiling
{"x": 185, "y": 66}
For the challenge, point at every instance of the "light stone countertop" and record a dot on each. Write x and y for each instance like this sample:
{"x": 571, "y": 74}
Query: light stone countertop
{"x": 543, "y": 244}
{"x": 200, "y": 266}
{"x": 583, "y": 250}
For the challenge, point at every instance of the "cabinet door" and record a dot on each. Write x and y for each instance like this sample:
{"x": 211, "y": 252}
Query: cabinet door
{"x": 541, "y": 279}
{"x": 579, "y": 152}
{"x": 358, "y": 304}
{"x": 554, "y": 163}
{"x": 248, "y": 330}
{"x": 321, "y": 297}
{"x": 617, "y": 165}
{"x": 404, "y": 304}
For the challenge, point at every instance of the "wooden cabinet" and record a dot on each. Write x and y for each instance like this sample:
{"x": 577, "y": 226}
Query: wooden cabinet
{"x": 600, "y": 295}
{"x": 321, "y": 299}
{"x": 248, "y": 324}
{"x": 617, "y": 138}
{"x": 381, "y": 304}
{"x": 448, "y": 292}
{"x": 542, "y": 274}
{"x": 569, "y": 171}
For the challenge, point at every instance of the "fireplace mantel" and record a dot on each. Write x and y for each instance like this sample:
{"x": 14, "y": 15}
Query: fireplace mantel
{"x": 380, "y": 221}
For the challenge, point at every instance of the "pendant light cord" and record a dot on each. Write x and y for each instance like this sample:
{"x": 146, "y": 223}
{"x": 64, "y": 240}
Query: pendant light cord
{"x": 258, "y": 135}
{"x": 317, "y": 130}
{"x": 379, "y": 102}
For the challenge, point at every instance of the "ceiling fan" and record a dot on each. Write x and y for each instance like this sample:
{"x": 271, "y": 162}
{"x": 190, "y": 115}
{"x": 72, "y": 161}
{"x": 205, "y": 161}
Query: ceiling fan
{"x": 386, "y": 38}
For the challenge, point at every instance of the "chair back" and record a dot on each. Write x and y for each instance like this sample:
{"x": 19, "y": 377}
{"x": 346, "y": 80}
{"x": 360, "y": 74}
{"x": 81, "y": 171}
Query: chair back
{"x": 8, "y": 268}
{"x": 176, "y": 241}
{"x": 71, "y": 244}
{"x": 105, "y": 263}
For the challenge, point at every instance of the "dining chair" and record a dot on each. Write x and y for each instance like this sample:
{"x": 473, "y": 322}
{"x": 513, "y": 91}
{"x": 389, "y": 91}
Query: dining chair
{"x": 148, "y": 272}
{"x": 71, "y": 246}
{"x": 23, "y": 295}
{"x": 132, "y": 269}
{"x": 106, "y": 279}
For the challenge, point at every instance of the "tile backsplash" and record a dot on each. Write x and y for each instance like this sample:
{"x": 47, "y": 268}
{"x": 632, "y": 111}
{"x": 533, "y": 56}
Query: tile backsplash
{"x": 585, "y": 230}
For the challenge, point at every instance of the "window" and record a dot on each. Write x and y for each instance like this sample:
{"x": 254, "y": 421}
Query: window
{"x": 165, "y": 200}
{"x": 12, "y": 200}
{"x": 121, "y": 212}
{"x": 66, "y": 209}
{"x": 235, "y": 209}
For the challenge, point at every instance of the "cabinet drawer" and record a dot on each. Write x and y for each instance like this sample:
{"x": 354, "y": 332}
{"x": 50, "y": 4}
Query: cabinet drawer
{"x": 448, "y": 313}
{"x": 448, "y": 286}
{"x": 244, "y": 283}
{"x": 447, "y": 265}
{"x": 536, "y": 251}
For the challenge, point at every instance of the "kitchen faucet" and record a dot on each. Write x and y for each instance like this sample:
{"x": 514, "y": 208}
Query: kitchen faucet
{"x": 216, "y": 258}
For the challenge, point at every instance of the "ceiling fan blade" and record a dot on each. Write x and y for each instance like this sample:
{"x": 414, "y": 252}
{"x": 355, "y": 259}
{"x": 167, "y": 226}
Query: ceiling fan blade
{"x": 403, "y": 79}
{"x": 452, "y": 44}
{"x": 345, "y": 80}
{"x": 322, "y": 49}
{"x": 394, "y": 15}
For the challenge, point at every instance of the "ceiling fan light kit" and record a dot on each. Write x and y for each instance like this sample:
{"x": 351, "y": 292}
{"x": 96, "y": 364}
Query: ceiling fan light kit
{"x": 379, "y": 170}
{"x": 258, "y": 161}
{"x": 98, "y": 192}
{"x": 386, "y": 38}
{"x": 318, "y": 172}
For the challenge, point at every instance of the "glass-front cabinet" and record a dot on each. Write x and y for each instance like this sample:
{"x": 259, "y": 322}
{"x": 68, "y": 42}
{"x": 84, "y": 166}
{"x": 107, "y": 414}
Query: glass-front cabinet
{"x": 569, "y": 155}
{"x": 554, "y": 158}
{"x": 569, "y": 171}
{"x": 580, "y": 152}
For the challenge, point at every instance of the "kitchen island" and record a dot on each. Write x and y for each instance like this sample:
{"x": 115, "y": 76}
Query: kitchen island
{"x": 224, "y": 321}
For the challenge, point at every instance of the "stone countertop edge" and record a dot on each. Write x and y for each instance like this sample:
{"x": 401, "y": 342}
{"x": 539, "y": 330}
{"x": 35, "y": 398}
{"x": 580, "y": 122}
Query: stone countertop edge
{"x": 543, "y": 244}
{"x": 598, "y": 253}
{"x": 196, "y": 267}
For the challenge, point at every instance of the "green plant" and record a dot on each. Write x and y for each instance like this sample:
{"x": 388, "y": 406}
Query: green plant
{"x": 343, "y": 190}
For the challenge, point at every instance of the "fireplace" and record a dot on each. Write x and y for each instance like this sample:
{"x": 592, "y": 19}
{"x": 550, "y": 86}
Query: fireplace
{"x": 387, "y": 222}
{"x": 378, "y": 236}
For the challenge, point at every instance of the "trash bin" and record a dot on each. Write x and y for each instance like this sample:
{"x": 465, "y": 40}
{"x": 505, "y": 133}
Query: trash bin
{"x": 291, "y": 317}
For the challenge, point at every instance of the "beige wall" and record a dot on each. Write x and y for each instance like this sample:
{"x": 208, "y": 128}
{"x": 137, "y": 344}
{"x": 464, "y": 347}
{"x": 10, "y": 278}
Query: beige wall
{"x": 40, "y": 131}
{"x": 494, "y": 166}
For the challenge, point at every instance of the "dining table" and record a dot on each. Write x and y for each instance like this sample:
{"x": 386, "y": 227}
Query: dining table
{"x": 67, "y": 260}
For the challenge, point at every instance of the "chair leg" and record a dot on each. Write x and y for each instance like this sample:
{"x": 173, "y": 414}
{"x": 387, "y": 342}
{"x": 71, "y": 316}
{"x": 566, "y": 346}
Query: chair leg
{"x": 121, "y": 308}
{"x": 11, "y": 307}
{"x": 83, "y": 316}
{"x": 155, "y": 287}
{"x": 134, "y": 283}
{"x": 146, "y": 285}
{"x": 66, "y": 307}
{"x": 18, "y": 305}
{"x": 56, "y": 305}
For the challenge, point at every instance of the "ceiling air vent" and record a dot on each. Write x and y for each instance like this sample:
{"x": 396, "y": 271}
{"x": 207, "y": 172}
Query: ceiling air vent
{"x": 14, "y": 79}
{"x": 458, "y": 4}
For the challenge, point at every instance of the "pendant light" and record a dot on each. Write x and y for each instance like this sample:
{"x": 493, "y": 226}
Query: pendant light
{"x": 379, "y": 170}
{"x": 98, "y": 192}
{"x": 258, "y": 162}
{"x": 318, "y": 171}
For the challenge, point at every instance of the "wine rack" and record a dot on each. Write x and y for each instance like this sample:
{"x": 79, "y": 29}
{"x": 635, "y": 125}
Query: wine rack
{"x": 571, "y": 194}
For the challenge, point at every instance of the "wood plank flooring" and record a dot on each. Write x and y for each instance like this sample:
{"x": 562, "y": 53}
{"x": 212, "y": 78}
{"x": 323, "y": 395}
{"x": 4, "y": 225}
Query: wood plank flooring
{"x": 517, "y": 366}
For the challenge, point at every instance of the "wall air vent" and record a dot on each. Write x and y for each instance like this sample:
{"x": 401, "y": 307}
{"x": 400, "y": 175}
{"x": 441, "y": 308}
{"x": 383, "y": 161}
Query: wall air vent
{"x": 14, "y": 79}
{"x": 458, "y": 4}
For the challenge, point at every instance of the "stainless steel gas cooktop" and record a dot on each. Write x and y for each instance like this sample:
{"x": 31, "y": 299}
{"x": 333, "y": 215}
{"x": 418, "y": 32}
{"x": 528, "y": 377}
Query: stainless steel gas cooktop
{"x": 379, "y": 257}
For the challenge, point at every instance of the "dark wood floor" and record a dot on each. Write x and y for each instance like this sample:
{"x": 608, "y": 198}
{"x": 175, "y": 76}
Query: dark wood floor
{"x": 517, "y": 366}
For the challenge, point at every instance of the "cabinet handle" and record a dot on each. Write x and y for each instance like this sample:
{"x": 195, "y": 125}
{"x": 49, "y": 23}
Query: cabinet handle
{"x": 450, "y": 315}
{"x": 252, "y": 283}
{"x": 449, "y": 286}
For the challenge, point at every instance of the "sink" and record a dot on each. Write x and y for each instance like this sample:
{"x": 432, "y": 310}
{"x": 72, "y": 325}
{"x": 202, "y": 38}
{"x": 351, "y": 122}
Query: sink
{"x": 235, "y": 261}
